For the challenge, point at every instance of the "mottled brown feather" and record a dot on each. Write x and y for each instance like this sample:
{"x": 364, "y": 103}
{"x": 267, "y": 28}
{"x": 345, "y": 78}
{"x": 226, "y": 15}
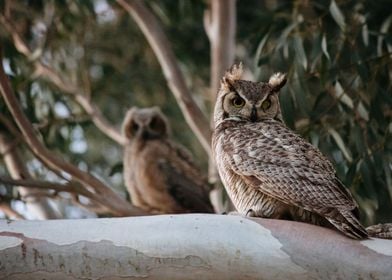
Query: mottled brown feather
{"x": 160, "y": 174}
{"x": 271, "y": 172}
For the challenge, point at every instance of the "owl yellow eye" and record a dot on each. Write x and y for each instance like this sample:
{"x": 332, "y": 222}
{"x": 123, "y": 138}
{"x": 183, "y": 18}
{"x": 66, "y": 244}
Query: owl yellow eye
{"x": 238, "y": 102}
{"x": 266, "y": 104}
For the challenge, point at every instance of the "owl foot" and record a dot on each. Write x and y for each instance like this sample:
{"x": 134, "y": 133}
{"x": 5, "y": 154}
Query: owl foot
{"x": 250, "y": 213}
{"x": 380, "y": 231}
{"x": 234, "y": 213}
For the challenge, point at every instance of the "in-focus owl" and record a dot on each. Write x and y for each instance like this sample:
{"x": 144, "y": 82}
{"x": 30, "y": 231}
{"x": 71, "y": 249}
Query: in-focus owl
{"x": 268, "y": 170}
{"x": 160, "y": 175}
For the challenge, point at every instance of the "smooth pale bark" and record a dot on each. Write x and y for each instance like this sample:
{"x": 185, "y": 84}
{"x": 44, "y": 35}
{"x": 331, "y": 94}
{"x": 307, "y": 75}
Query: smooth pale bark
{"x": 186, "y": 247}
{"x": 220, "y": 26}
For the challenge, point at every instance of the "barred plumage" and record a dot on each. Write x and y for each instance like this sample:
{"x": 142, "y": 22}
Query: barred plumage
{"x": 268, "y": 170}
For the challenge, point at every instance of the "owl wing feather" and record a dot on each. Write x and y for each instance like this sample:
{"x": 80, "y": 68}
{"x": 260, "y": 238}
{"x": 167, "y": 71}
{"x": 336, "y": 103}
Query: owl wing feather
{"x": 279, "y": 163}
{"x": 184, "y": 182}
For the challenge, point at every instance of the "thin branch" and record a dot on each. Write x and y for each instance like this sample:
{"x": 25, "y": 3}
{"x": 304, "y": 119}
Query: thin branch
{"x": 161, "y": 46}
{"x": 48, "y": 73}
{"x": 107, "y": 196}
{"x": 40, "y": 205}
{"x": 9, "y": 125}
{"x": 9, "y": 212}
{"x": 70, "y": 187}
{"x": 74, "y": 188}
{"x": 93, "y": 111}
{"x": 91, "y": 206}
{"x": 19, "y": 43}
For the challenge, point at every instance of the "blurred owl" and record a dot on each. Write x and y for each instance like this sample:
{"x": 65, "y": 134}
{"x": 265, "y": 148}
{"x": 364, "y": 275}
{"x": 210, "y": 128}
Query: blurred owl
{"x": 268, "y": 170}
{"x": 159, "y": 174}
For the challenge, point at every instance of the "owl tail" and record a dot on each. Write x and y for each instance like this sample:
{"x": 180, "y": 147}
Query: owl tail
{"x": 380, "y": 231}
{"x": 348, "y": 224}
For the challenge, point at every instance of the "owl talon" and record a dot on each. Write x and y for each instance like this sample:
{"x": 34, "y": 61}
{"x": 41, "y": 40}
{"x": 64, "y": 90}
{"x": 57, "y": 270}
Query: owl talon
{"x": 233, "y": 213}
{"x": 250, "y": 213}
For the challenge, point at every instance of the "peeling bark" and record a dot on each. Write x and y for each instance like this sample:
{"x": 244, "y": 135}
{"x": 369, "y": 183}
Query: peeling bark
{"x": 186, "y": 247}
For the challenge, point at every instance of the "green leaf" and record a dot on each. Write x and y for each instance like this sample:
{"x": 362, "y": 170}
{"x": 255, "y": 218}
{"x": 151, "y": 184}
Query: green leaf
{"x": 388, "y": 177}
{"x": 350, "y": 175}
{"x": 383, "y": 30}
{"x": 337, "y": 15}
{"x": 339, "y": 141}
{"x": 367, "y": 176}
{"x": 324, "y": 47}
{"x": 357, "y": 139}
{"x": 362, "y": 111}
{"x": 342, "y": 96}
{"x": 300, "y": 52}
{"x": 260, "y": 47}
{"x": 283, "y": 38}
{"x": 287, "y": 107}
{"x": 300, "y": 95}
{"x": 365, "y": 34}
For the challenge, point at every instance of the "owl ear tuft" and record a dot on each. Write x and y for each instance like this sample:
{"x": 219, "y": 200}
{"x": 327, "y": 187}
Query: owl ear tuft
{"x": 235, "y": 72}
{"x": 231, "y": 75}
{"x": 277, "y": 81}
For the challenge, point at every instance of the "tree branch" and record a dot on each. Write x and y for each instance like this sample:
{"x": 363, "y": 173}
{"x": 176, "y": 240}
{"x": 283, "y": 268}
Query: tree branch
{"x": 74, "y": 188}
{"x": 187, "y": 247}
{"x": 160, "y": 44}
{"x": 39, "y": 205}
{"x": 107, "y": 196}
{"x": 70, "y": 187}
{"x": 9, "y": 212}
{"x": 220, "y": 26}
{"x": 93, "y": 111}
{"x": 9, "y": 126}
{"x": 49, "y": 74}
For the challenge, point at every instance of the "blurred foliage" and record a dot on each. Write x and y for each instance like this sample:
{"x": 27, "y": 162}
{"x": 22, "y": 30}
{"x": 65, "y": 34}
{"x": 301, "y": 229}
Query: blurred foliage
{"x": 337, "y": 55}
{"x": 338, "y": 58}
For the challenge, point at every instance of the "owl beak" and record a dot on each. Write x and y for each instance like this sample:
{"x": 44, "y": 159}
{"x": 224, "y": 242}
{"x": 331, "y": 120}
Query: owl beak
{"x": 145, "y": 135}
{"x": 253, "y": 114}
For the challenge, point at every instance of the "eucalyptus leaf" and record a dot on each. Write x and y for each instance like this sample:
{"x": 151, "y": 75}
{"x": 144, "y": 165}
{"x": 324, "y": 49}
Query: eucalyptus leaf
{"x": 342, "y": 96}
{"x": 260, "y": 47}
{"x": 339, "y": 141}
{"x": 300, "y": 52}
{"x": 337, "y": 15}
{"x": 324, "y": 46}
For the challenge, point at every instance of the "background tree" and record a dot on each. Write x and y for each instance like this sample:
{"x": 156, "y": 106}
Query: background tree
{"x": 77, "y": 66}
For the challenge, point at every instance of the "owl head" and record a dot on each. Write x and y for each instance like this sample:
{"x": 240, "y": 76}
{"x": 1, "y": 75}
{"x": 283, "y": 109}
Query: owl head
{"x": 245, "y": 100}
{"x": 145, "y": 124}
